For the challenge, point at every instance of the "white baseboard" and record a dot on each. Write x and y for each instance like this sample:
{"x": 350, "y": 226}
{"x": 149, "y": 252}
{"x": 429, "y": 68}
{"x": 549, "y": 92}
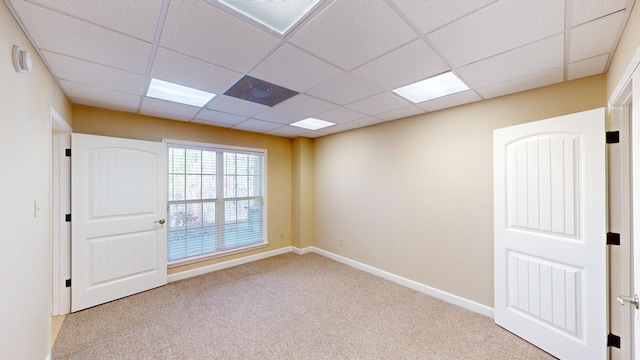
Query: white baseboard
{"x": 439, "y": 294}
{"x": 227, "y": 264}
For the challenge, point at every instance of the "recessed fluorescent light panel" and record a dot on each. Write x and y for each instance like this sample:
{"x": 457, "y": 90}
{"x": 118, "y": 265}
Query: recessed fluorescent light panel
{"x": 312, "y": 124}
{"x": 434, "y": 87}
{"x": 165, "y": 90}
{"x": 279, "y": 16}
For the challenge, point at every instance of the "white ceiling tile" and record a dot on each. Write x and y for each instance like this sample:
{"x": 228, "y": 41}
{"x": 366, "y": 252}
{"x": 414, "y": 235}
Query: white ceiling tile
{"x": 305, "y": 105}
{"x": 413, "y": 62}
{"x": 549, "y": 77}
{"x": 279, "y": 116}
{"x": 367, "y": 121}
{"x": 220, "y": 117}
{"x": 161, "y": 108}
{"x": 136, "y": 18}
{"x": 204, "y": 31}
{"x": 340, "y": 115}
{"x": 351, "y": 33}
{"x": 175, "y": 67}
{"x": 400, "y": 113}
{"x": 257, "y": 125}
{"x": 84, "y": 72}
{"x": 108, "y": 99}
{"x": 288, "y": 131}
{"x": 432, "y": 14}
{"x": 478, "y": 35}
{"x": 378, "y": 104}
{"x": 317, "y": 133}
{"x": 212, "y": 123}
{"x": 344, "y": 89}
{"x": 514, "y": 64}
{"x": 587, "y": 10}
{"x": 452, "y": 100}
{"x": 595, "y": 38}
{"x": 588, "y": 67}
{"x": 82, "y": 40}
{"x": 294, "y": 69}
{"x": 232, "y": 105}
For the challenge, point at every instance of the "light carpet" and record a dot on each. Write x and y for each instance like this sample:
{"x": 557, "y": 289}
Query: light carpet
{"x": 285, "y": 307}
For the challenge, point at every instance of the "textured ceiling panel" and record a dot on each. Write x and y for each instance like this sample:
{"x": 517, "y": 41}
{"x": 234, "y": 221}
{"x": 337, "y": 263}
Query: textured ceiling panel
{"x": 545, "y": 78}
{"x": 101, "y": 76}
{"x": 175, "y": 67}
{"x": 294, "y": 69}
{"x": 477, "y": 36}
{"x": 588, "y": 67}
{"x": 587, "y": 10}
{"x": 340, "y": 115}
{"x": 595, "y": 37}
{"x": 344, "y": 89}
{"x": 351, "y": 33}
{"x": 413, "y": 62}
{"x": 84, "y": 40}
{"x": 137, "y": 18}
{"x": 457, "y": 99}
{"x": 432, "y": 14}
{"x": 161, "y": 108}
{"x": 93, "y": 96}
{"x": 236, "y": 106}
{"x": 378, "y": 104}
{"x": 305, "y": 105}
{"x": 211, "y": 34}
{"x": 549, "y": 54}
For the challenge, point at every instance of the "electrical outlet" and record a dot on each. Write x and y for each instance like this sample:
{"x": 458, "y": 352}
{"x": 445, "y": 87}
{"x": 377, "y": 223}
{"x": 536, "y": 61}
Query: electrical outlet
{"x": 281, "y": 234}
{"x": 341, "y": 242}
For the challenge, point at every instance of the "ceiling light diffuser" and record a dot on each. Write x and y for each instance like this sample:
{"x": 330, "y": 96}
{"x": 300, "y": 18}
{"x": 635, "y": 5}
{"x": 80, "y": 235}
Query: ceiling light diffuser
{"x": 312, "y": 124}
{"x": 165, "y": 90}
{"x": 280, "y": 16}
{"x": 434, "y": 87}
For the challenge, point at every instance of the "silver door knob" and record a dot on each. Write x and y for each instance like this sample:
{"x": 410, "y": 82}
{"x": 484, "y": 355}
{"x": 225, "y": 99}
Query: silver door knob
{"x": 629, "y": 300}
{"x": 161, "y": 221}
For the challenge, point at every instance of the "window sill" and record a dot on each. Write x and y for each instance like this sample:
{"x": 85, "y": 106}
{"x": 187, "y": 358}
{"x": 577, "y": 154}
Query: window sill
{"x": 200, "y": 258}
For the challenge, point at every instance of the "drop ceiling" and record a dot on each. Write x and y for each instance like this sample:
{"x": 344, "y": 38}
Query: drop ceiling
{"x": 344, "y": 60}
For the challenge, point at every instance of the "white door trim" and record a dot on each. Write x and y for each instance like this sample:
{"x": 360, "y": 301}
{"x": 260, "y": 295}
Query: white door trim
{"x": 60, "y": 239}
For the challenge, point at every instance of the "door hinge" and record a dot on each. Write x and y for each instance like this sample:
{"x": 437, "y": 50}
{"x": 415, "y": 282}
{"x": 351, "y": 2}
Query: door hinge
{"x": 613, "y": 239}
{"x": 613, "y": 137}
{"x": 67, "y": 218}
{"x": 613, "y": 341}
{"x": 67, "y": 152}
{"x": 67, "y": 283}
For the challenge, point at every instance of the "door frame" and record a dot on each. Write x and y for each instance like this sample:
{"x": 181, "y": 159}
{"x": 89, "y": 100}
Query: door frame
{"x": 622, "y": 119}
{"x": 60, "y": 239}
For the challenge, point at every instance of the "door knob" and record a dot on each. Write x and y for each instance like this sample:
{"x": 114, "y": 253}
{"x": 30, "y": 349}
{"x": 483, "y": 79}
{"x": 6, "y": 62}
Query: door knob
{"x": 161, "y": 221}
{"x": 628, "y": 299}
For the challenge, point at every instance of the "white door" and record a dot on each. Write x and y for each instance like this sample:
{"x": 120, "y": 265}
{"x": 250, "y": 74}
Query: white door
{"x": 118, "y": 208}
{"x": 550, "y": 234}
{"x": 635, "y": 159}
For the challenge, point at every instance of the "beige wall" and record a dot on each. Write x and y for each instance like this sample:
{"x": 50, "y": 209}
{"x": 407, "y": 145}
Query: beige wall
{"x": 25, "y": 259}
{"x": 89, "y": 120}
{"x": 626, "y": 50}
{"x": 303, "y": 193}
{"x": 414, "y": 196}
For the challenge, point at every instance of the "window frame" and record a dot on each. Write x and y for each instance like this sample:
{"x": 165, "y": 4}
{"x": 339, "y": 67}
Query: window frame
{"x": 220, "y": 147}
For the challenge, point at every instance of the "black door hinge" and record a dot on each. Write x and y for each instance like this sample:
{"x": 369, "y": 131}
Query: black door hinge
{"x": 613, "y": 341}
{"x": 67, "y": 283}
{"x": 67, "y": 152}
{"x": 613, "y": 137}
{"x": 613, "y": 239}
{"x": 67, "y": 218}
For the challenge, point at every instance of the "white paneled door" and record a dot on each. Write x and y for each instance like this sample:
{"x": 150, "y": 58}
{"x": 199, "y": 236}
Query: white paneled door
{"x": 550, "y": 234}
{"x": 118, "y": 211}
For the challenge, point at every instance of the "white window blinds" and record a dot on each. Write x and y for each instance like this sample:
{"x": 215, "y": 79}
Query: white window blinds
{"x": 215, "y": 200}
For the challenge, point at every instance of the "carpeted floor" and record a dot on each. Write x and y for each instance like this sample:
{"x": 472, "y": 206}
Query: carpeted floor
{"x": 285, "y": 307}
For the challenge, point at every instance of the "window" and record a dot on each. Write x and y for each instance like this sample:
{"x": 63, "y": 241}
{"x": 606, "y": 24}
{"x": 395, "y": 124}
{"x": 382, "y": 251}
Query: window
{"x": 215, "y": 200}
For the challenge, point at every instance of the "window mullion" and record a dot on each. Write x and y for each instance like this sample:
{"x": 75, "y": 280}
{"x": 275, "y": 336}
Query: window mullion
{"x": 220, "y": 199}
